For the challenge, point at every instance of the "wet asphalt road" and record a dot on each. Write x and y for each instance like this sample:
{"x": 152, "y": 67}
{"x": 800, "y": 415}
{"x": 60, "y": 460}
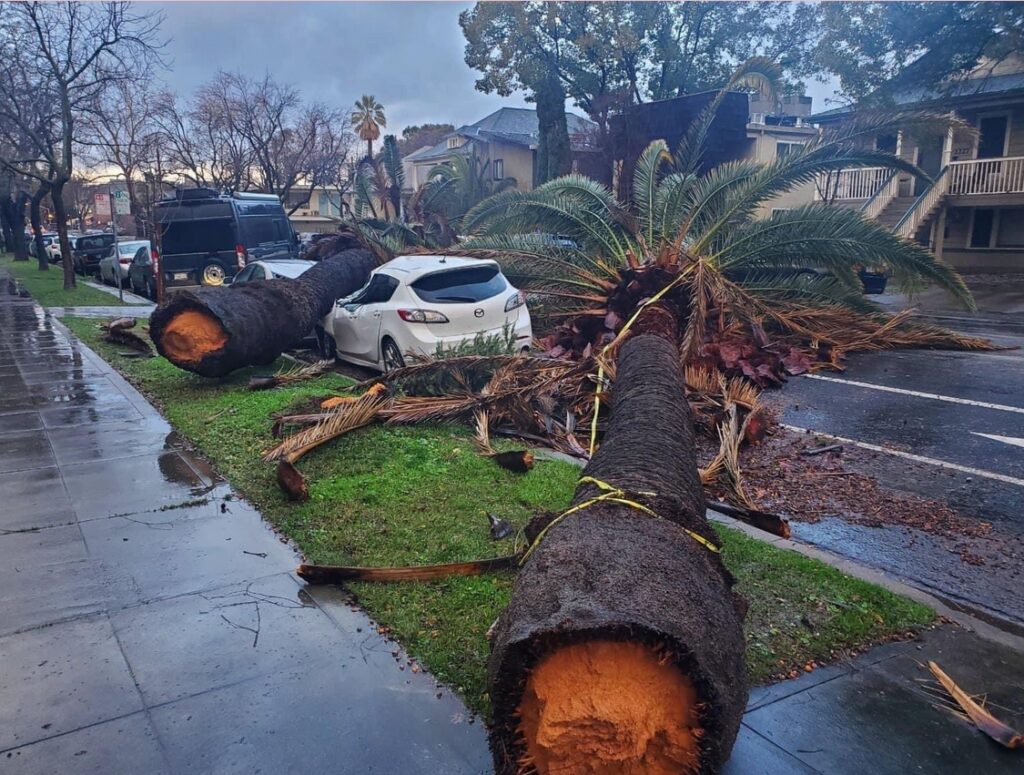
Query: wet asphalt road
{"x": 981, "y": 393}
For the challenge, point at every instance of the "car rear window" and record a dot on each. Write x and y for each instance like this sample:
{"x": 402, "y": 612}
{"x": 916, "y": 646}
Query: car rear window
{"x": 91, "y": 243}
{"x": 465, "y": 285}
{"x": 198, "y": 236}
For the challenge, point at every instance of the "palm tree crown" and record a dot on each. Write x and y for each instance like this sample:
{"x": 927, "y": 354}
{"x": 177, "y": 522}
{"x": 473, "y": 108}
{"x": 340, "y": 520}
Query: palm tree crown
{"x": 368, "y": 119}
{"x": 793, "y": 276}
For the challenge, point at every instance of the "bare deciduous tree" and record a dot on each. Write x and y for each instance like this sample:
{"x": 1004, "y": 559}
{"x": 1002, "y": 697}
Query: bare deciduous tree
{"x": 56, "y": 61}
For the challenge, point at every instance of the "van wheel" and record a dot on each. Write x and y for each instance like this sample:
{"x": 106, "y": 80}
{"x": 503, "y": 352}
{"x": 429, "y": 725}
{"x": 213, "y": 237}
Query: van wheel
{"x": 325, "y": 344}
{"x": 214, "y": 273}
{"x": 392, "y": 356}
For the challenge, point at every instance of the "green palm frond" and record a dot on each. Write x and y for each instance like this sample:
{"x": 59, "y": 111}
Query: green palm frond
{"x": 646, "y": 178}
{"x": 803, "y": 287}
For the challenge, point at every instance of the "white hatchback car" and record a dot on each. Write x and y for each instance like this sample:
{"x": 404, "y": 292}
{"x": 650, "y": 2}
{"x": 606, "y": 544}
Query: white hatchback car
{"x": 417, "y": 304}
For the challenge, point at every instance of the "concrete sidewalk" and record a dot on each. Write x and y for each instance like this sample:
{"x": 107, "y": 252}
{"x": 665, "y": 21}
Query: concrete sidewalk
{"x": 150, "y": 622}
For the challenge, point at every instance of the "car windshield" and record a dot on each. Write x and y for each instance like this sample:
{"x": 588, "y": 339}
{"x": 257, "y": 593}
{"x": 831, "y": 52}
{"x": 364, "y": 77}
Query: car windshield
{"x": 463, "y": 285}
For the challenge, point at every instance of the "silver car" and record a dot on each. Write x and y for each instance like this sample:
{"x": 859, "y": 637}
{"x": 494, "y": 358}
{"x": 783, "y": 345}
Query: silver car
{"x": 114, "y": 267}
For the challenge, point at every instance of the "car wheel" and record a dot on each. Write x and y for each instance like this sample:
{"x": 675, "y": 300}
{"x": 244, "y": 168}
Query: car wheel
{"x": 151, "y": 290}
{"x": 326, "y": 345}
{"x": 213, "y": 273}
{"x": 392, "y": 356}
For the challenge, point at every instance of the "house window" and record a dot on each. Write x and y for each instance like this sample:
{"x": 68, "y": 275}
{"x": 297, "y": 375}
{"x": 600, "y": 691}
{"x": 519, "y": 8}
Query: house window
{"x": 454, "y": 142}
{"x": 782, "y": 149}
{"x": 1011, "y": 228}
{"x": 499, "y": 169}
{"x": 981, "y": 228}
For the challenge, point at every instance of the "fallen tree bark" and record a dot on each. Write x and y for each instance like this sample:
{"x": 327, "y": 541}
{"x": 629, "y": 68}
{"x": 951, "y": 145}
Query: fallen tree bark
{"x": 213, "y": 331}
{"x": 621, "y": 649}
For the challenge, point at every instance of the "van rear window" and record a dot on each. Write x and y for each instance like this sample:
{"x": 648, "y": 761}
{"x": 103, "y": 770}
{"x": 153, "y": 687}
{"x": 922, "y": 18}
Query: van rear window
{"x": 466, "y": 285}
{"x": 198, "y": 236}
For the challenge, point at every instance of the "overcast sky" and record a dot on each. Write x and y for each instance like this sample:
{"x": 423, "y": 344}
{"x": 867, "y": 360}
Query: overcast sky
{"x": 408, "y": 55}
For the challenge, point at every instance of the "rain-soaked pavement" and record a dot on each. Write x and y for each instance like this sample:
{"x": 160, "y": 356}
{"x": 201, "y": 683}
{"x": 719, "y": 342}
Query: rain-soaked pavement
{"x": 149, "y": 623}
{"x": 961, "y": 416}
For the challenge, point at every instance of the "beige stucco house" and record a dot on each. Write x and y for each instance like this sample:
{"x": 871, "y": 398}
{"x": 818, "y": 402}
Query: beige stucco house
{"x": 777, "y": 129}
{"x": 972, "y": 214}
{"x": 505, "y": 141}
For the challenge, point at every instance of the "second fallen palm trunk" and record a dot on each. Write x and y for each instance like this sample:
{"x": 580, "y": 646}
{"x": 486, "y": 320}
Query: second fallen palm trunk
{"x": 213, "y": 331}
{"x": 622, "y": 649}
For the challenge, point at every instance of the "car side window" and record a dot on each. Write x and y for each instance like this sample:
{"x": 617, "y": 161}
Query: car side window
{"x": 245, "y": 275}
{"x": 139, "y": 259}
{"x": 380, "y": 289}
{"x": 258, "y": 273}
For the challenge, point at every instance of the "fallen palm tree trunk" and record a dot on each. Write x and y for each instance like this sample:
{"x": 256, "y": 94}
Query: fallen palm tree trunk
{"x": 621, "y": 649}
{"x": 213, "y": 331}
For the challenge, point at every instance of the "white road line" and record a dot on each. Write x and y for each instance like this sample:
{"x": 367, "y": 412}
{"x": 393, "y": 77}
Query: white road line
{"x": 916, "y": 458}
{"x": 1005, "y": 439}
{"x": 918, "y": 394}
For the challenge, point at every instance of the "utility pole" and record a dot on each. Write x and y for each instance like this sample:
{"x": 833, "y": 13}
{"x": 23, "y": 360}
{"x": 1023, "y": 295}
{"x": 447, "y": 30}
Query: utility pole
{"x": 117, "y": 255}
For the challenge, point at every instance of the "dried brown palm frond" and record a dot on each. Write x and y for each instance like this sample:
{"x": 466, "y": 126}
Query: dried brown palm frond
{"x": 346, "y": 418}
{"x": 482, "y": 432}
{"x": 743, "y": 393}
{"x": 488, "y": 363}
{"x": 291, "y": 375}
{"x": 702, "y": 379}
{"x": 414, "y": 409}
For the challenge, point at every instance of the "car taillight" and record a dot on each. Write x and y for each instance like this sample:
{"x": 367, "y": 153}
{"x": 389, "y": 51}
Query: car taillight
{"x": 153, "y": 254}
{"x": 124, "y": 261}
{"x": 517, "y": 299}
{"x": 241, "y": 256}
{"x": 421, "y": 316}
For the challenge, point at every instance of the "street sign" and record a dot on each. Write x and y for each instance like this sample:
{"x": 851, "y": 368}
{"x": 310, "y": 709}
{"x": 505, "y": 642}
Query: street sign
{"x": 122, "y": 204}
{"x": 101, "y": 205}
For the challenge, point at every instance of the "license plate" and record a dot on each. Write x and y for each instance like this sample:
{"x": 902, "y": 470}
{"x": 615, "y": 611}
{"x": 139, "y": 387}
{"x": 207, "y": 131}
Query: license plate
{"x": 181, "y": 275}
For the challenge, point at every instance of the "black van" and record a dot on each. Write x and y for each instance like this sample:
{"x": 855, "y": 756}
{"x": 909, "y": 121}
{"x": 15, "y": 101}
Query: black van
{"x": 207, "y": 236}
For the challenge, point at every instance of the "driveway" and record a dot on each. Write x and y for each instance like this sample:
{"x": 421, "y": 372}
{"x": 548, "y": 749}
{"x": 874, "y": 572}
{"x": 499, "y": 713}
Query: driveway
{"x": 947, "y": 426}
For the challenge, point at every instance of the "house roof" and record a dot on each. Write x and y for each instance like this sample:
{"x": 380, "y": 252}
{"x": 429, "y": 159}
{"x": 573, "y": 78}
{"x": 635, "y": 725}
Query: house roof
{"x": 417, "y": 153}
{"x": 516, "y": 126}
{"x": 924, "y": 95}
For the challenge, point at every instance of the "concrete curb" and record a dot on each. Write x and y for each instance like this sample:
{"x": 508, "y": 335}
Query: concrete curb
{"x": 129, "y": 297}
{"x": 1004, "y": 632}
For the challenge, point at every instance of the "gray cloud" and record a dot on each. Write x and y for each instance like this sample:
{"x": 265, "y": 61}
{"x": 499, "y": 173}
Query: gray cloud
{"x": 408, "y": 55}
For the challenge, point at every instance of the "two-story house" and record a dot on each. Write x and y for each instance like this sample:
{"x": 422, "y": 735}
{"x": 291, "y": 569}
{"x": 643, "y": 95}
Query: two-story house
{"x": 972, "y": 213}
{"x": 506, "y": 141}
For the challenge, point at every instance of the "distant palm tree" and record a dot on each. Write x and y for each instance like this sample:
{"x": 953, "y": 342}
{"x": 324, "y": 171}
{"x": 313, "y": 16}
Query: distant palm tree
{"x": 368, "y": 120}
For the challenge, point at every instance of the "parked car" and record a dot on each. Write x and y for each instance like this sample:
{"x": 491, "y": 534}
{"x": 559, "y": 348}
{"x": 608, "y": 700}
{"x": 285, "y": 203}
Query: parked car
{"x": 53, "y": 248}
{"x": 272, "y": 269}
{"x": 206, "y": 236}
{"x": 48, "y": 239}
{"x": 114, "y": 266}
{"x": 141, "y": 274}
{"x": 88, "y": 250}
{"x": 416, "y": 304}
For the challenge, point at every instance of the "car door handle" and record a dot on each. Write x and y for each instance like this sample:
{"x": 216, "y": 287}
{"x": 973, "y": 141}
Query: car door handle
{"x": 376, "y": 314}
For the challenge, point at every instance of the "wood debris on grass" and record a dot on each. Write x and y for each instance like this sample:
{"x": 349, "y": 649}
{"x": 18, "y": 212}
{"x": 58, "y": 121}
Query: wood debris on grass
{"x": 118, "y": 332}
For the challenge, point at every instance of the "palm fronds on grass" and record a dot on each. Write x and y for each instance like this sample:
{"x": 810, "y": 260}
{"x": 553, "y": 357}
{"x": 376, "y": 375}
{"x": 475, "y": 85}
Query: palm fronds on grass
{"x": 288, "y": 376}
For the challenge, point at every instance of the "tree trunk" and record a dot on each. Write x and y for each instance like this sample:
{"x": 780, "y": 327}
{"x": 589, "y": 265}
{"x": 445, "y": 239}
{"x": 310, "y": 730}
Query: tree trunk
{"x": 622, "y": 648}
{"x": 5, "y": 224}
{"x": 554, "y": 156}
{"x": 213, "y": 331}
{"x": 36, "y": 218}
{"x": 60, "y": 211}
{"x": 14, "y": 207}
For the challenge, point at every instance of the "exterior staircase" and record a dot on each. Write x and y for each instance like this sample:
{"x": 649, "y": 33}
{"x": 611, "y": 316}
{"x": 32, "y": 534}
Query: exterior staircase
{"x": 894, "y": 211}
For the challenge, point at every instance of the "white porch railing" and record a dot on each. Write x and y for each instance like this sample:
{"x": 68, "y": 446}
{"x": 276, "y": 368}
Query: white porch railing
{"x": 923, "y": 205}
{"x": 987, "y": 176}
{"x": 859, "y": 183}
{"x": 874, "y": 206}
